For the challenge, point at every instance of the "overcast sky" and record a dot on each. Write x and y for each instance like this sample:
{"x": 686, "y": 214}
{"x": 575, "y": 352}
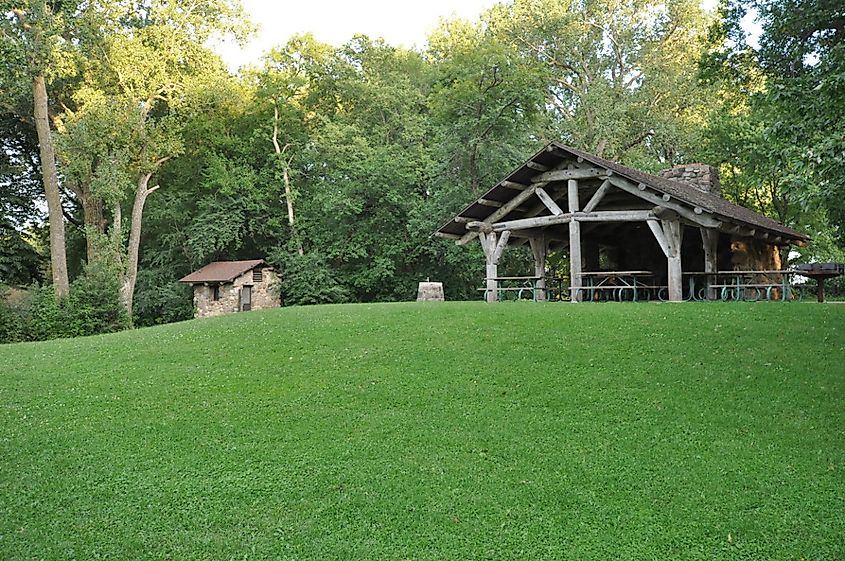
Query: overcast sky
{"x": 399, "y": 22}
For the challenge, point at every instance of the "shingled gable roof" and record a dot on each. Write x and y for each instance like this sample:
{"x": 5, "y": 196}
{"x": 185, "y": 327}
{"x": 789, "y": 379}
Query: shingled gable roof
{"x": 221, "y": 271}
{"x": 555, "y": 153}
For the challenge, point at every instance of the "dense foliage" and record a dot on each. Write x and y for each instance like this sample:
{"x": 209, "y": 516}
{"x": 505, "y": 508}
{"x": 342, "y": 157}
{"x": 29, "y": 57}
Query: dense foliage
{"x": 92, "y": 306}
{"x": 338, "y": 163}
{"x": 780, "y": 134}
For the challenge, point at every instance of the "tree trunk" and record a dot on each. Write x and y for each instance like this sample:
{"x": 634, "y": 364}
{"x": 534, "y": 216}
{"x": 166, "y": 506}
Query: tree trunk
{"x": 291, "y": 220}
{"x": 117, "y": 237}
{"x": 58, "y": 256}
{"x": 95, "y": 220}
{"x": 127, "y": 291}
{"x": 286, "y": 177}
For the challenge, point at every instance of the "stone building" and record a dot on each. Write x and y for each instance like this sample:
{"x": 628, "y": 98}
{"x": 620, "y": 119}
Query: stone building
{"x": 224, "y": 287}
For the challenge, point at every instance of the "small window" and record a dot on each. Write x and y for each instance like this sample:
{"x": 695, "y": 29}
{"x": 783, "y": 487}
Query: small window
{"x": 257, "y": 275}
{"x": 215, "y": 292}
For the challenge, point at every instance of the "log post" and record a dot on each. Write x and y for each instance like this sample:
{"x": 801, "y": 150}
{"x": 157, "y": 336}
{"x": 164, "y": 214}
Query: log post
{"x": 710, "y": 241}
{"x": 493, "y": 250}
{"x": 540, "y": 249}
{"x": 673, "y": 231}
{"x": 488, "y": 245}
{"x": 574, "y": 243}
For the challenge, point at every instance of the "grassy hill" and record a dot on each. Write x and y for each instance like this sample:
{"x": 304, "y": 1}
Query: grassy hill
{"x": 455, "y": 431}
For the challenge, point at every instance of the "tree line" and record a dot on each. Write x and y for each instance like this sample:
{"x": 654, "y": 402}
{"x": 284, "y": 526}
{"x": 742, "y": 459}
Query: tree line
{"x": 132, "y": 156}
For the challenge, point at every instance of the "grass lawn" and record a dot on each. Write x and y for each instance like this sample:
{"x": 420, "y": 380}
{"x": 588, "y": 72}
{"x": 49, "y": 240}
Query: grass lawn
{"x": 433, "y": 432}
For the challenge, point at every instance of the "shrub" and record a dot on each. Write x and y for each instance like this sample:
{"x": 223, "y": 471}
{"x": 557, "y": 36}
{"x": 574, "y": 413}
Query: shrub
{"x": 159, "y": 299}
{"x": 13, "y": 322}
{"x": 46, "y": 318}
{"x": 93, "y": 306}
{"x": 307, "y": 279}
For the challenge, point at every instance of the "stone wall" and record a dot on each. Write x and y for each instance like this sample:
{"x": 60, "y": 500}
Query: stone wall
{"x": 701, "y": 176}
{"x": 265, "y": 294}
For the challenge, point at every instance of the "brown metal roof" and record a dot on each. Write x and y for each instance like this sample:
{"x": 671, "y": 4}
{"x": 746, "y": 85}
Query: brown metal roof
{"x": 221, "y": 271}
{"x": 555, "y": 153}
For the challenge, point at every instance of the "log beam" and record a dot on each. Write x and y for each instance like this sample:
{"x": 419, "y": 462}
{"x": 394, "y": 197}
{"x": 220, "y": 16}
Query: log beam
{"x": 657, "y": 230}
{"x": 542, "y": 221}
{"x": 501, "y": 245}
{"x": 567, "y": 174}
{"x": 598, "y": 196}
{"x": 673, "y": 230}
{"x": 503, "y": 211}
{"x": 514, "y": 185}
{"x": 490, "y": 203}
{"x": 488, "y": 245}
{"x": 493, "y": 248}
{"x": 536, "y": 166}
{"x": 705, "y": 220}
{"x": 548, "y": 201}
{"x": 574, "y": 243}
{"x": 540, "y": 250}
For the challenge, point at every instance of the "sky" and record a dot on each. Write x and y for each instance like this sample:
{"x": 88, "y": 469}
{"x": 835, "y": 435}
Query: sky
{"x": 398, "y": 22}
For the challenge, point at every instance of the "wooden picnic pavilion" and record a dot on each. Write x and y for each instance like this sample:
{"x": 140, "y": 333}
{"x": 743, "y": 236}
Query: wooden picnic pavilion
{"x": 623, "y": 229}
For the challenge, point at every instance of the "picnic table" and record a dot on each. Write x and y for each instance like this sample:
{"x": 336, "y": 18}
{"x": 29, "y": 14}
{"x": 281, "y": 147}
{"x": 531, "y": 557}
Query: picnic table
{"x": 751, "y": 285}
{"x": 519, "y": 287}
{"x": 619, "y": 285}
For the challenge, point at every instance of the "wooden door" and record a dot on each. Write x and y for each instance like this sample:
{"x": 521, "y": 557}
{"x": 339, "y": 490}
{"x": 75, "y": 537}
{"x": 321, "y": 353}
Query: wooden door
{"x": 246, "y": 298}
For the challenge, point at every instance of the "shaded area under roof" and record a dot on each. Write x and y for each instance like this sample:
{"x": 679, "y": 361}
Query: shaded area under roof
{"x": 221, "y": 271}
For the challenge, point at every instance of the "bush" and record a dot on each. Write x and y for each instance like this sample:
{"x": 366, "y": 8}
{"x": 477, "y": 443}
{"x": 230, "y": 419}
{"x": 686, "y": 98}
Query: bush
{"x": 93, "y": 306}
{"x": 13, "y": 322}
{"x": 159, "y": 299}
{"x": 307, "y": 279}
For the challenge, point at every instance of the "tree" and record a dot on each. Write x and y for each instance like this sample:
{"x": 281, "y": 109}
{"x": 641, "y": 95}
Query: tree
{"x": 781, "y": 130}
{"x": 136, "y": 83}
{"x": 288, "y": 83}
{"x": 486, "y": 103}
{"x": 21, "y": 193}
{"x": 620, "y": 76}
{"x": 31, "y": 39}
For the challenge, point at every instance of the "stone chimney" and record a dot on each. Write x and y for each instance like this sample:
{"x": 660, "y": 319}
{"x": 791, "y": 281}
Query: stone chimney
{"x": 701, "y": 176}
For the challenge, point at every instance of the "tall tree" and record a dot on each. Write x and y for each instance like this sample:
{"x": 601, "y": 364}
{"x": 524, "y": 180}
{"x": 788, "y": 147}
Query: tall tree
{"x": 21, "y": 199}
{"x": 139, "y": 75}
{"x": 289, "y": 82}
{"x": 31, "y": 39}
{"x": 486, "y": 102}
{"x": 781, "y": 132}
{"x": 621, "y": 75}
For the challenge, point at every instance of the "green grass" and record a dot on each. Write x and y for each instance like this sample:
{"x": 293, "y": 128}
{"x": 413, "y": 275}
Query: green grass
{"x": 455, "y": 431}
